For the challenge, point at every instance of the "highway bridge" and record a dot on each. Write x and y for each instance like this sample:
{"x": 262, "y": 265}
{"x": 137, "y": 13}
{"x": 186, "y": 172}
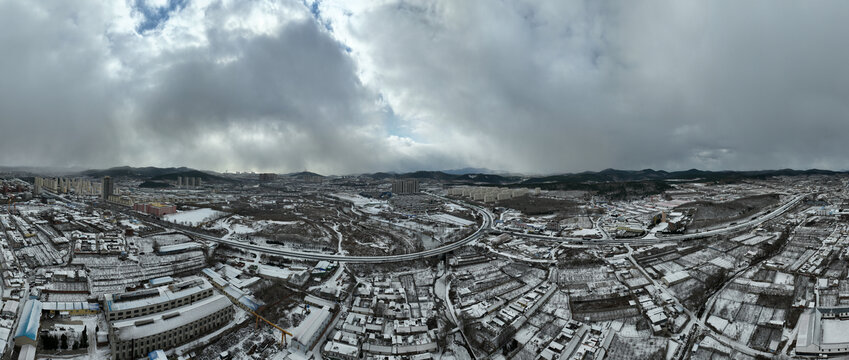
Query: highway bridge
{"x": 485, "y": 227}
{"x": 672, "y": 238}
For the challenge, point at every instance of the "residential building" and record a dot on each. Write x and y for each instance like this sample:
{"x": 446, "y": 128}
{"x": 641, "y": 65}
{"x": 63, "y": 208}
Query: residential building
{"x": 310, "y": 330}
{"x": 151, "y": 301}
{"x": 137, "y": 337}
{"x": 108, "y": 188}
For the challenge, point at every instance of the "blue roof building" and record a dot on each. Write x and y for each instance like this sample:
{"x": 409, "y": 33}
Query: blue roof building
{"x": 27, "y": 332}
{"x": 160, "y": 281}
{"x": 157, "y": 355}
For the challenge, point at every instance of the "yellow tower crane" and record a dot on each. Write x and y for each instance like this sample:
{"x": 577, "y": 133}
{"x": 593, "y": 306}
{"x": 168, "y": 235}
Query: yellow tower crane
{"x": 258, "y": 318}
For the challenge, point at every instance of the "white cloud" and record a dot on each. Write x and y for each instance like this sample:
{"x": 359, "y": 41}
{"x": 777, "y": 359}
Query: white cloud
{"x": 539, "y": 86}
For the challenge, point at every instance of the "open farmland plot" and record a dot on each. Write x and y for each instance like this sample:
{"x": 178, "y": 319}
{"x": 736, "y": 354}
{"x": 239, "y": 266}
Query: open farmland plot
{"x": 626, "y": 348}
{"x": 579, "y": 277}
{"x": 558, "y": 305}
{"x": 739, "y": 331}
{"x": 764, "y": 275}
{"x": 502, "y": 289}
{"x": 726, "y": 308}
{"x": 766, "y": 338}
{"x": 687, "y": 288}
{"x": 602, "y": 309}
{"x": 707, "y": 213}
{"x": 194, "y": 217}
{"x": 669, "y": 267}
{"x": 749, "y": 313}
{"x": 540, "y": 319}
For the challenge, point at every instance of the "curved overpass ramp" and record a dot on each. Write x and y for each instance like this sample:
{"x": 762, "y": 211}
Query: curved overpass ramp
{"x": 485, "y": 226}
{"x": 673, "y": 238}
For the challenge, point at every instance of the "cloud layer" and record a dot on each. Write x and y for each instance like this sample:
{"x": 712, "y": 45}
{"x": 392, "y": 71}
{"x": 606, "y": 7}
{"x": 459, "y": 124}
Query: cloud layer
{"x": 347, "y": 87}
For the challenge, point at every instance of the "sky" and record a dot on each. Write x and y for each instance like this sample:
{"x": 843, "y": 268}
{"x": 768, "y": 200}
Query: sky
{"x": 352, "y": 86}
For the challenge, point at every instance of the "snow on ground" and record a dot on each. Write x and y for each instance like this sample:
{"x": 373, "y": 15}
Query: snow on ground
{"x": 653, "y": 232}
{"x": 238, "y": 318}
{"x": 783, "y": 278}
{"x": 717, "y": 322}
{"x": 451, "y": 219}
{"x": 241, "y": 225}
{"x": 368, "y": 205}
{"x": 193, "y": 217}
{"x": 145, "y": 244}
{"x": 334, "y": 284}
{"x": 451, "y": 207}
{"x": 526, "y": 333}
{"x": 241, "y": 229}
{"x": 133, "y": 224}
{"x": 90, "y": 323}
{"x": 274, "y": 272}
{"x": 357, "y": 199}
{"x": 455, "y": 350}
{"x": 586, "y": 232}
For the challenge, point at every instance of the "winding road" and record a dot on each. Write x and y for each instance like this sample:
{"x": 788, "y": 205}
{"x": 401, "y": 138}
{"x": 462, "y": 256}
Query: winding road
{"x": 485, "y": 227}
{"x": 672, "y": 238}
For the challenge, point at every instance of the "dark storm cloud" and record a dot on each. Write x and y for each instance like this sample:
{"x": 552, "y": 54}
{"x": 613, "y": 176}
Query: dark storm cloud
{"x": 396, "y": 85}
{"x": 54, "y": 93}
{"x": 294, "y": 85}
{"x": 568, "y": 86}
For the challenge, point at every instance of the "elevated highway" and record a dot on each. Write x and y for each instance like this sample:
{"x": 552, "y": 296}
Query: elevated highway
{"x": 485, "y": 227}
{"x": 672, "y": 238}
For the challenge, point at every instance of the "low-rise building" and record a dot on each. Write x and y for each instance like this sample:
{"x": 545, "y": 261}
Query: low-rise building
{"x": 70, "y": 308}
{"x": 155, "y": 209}
{"x": 137, "y": 337}
{"x": 150, "y": 301}
{"x": 28, "y": 324}
{"x": 310, "y": 330}
{"x": 340, "y": 351}
{"x": 822, "y": 331}
{"x": 675, "y": 278}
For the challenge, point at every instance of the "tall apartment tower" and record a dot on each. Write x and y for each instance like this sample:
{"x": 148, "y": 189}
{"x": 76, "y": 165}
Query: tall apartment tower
{"x": 108, "y": 187}
{"x": 36, "y": 186}
{"x": 405, "y": 186}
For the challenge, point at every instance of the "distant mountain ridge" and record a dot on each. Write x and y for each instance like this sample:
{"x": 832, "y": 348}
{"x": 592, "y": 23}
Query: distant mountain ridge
{"x": 503, "y": 179}
{"x": 152, "y": 173}
{"x": 442, "y": 176}
{"x": 605, "y": 176}
{"x": 304, "y": 174}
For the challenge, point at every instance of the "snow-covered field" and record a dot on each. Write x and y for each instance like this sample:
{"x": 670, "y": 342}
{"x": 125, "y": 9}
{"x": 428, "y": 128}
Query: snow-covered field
{"x": 240, "y": 225}
{"x": 586, "y": 232}
{"x": 451, "y": 219}
{"x": 357, "y": 199}
{"x": 371, "y": 206}
{"x": 133, "y": 224}
{"x": 193, "y": 217}
{"x": 451, "y": 207}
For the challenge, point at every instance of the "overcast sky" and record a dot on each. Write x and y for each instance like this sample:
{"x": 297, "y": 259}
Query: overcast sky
{"x": 340, "y": 87}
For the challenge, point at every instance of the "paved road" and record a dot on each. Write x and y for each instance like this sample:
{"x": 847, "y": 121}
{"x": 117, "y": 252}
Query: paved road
{"x": 694, "y": 320}
{"x": 672, "y": 238}
{"x": 485, "y": 226}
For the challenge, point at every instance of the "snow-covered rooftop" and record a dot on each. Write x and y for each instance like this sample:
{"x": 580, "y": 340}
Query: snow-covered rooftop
{"x": 165, "y": 295}
{"x": 137, "y": 328}
{"x": 30, "y": 320}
